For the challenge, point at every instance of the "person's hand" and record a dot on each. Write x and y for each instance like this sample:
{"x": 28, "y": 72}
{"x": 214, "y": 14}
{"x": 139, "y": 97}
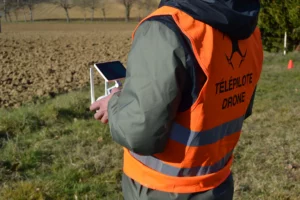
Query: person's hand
{"x": 100, "y": 107}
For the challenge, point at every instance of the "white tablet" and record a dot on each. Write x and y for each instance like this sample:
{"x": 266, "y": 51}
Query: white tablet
{"x": 111, "y": 71}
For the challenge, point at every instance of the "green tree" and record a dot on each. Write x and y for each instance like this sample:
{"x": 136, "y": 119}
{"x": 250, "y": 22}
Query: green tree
{"x": 275, "y": 18}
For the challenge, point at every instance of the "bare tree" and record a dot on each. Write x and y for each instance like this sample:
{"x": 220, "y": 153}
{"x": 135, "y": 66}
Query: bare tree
{"x": 103, "y": 6}
{"x": 15, "y": 8}
{"x": 83, "y": 4}
{"x": 12, "y": 6}
{"x": 4, "y": 9}
{"x": 30, "y": 4}
{"x": 7, "y": 6}
{"x": 16, "y": 4}
{"x": 23, "y": 7}
{"x": 128, "y": 6}
{"x": 93, "y": 4}
{"x": 149, "y": 6}
{"x": 145, "y": 7}
{"x": 66, "y": 5}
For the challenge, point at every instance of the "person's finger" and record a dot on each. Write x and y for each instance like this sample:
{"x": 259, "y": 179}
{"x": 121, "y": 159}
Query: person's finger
{"x": 98, "y": 115}
{"x": 95, "y": 106}
{"x": 104, "y": 119}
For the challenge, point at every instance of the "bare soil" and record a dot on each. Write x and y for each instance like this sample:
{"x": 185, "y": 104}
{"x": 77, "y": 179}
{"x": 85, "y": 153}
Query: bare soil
{"x": 46, "y": 59}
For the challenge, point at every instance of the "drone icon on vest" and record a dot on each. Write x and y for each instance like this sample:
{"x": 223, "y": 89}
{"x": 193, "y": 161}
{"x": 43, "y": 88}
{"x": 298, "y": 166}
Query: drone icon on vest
{"x": 235, "y": 48}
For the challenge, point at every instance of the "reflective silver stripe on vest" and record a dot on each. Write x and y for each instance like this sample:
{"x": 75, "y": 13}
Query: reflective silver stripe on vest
{"x": 190, "y": 138}
{"x": 166, "y": 169}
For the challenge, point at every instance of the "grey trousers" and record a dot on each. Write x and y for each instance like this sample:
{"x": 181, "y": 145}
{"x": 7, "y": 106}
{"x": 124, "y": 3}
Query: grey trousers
{"x": 134, "y": 191}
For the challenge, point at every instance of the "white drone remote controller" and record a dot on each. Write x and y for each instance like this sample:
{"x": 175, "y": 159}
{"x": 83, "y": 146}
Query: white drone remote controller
{"x": 114, "y": 74}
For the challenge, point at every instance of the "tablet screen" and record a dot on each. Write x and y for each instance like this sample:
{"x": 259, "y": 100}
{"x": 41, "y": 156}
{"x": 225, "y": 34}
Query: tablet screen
{"x": 112, "y": 70}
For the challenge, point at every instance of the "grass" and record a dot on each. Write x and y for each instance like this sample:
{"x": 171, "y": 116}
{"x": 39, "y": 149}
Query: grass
{"x": 53, "y": 149}
{"x": 267, "y": 159}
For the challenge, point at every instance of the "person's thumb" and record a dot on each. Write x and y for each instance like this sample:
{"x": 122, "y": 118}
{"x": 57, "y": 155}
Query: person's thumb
{"x": 114, "y": 90}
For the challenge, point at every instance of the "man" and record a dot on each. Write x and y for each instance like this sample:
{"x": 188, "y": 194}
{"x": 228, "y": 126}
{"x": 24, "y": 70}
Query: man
{"x": 191, "y": 78}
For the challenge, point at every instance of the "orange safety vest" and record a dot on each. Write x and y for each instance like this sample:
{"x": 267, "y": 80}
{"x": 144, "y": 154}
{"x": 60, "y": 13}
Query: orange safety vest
{"x": 199, "y": 153}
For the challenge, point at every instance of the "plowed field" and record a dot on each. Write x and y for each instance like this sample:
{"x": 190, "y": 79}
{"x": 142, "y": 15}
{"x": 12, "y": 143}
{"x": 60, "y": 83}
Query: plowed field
{"x": 46, "y": 59}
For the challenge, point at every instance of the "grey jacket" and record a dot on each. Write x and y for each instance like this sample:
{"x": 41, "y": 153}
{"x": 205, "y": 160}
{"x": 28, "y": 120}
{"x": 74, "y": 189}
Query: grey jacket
{"x": 141, "y": 115}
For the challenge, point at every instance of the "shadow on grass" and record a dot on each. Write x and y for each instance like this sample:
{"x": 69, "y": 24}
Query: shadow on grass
{"x": 3, "y": 137}
{"x": 30, "y": 160}
{"x": 69, "y": 114}
{"x": 16, "y": 123}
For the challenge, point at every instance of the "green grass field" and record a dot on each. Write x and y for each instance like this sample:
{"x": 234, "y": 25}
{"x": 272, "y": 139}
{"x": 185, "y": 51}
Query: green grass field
{"x": 54, "y": 149}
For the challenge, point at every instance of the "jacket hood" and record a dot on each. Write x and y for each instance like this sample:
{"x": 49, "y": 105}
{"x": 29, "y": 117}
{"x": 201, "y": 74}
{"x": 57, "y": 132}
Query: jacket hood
{"x": 235, "y": 18}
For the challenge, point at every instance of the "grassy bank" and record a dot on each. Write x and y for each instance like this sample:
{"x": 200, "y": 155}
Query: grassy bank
{"x": 53, "y": 149}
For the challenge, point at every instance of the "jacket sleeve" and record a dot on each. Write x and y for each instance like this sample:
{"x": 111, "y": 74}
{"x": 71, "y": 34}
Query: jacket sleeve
{"x": 140, "y": 116}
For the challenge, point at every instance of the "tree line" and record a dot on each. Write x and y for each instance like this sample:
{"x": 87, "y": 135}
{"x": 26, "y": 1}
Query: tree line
{"x": 276, "y": 17}
{"x": 15, "y": 7}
